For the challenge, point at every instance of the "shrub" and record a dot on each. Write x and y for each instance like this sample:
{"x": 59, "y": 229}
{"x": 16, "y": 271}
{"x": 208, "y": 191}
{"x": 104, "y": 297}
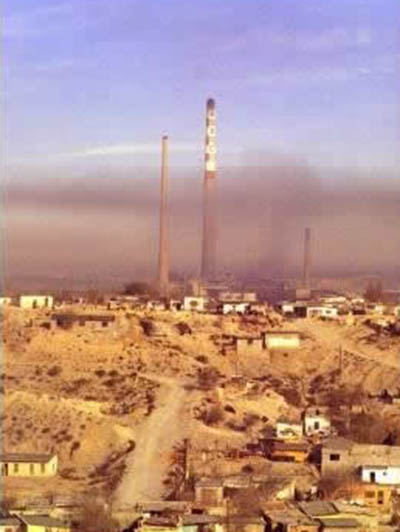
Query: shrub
{"x": 54, "y": 371}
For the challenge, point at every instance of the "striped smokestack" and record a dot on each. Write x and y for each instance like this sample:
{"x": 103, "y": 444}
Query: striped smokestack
{"x": 209, "y": 251}
{"x": 163, "y": 257}
{"x": 307, "y": 258}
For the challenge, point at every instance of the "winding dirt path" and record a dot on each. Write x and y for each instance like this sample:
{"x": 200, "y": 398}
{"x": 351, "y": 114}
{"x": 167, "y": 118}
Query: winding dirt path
{"x": 148, "y": 464}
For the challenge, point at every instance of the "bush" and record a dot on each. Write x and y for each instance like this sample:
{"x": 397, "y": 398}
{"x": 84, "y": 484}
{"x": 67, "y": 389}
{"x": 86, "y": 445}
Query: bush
{"x": 213, "y": 416}
{"x": 54, "y": 371}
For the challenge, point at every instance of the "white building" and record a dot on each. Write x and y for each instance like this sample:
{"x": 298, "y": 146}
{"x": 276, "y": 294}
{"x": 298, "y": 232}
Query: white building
{"x": 388, "y": 475}
{"x": 195, "y": 303}
{"x": 322, "y": 312}
{"x": 35, "y": 301}
{"x": 281, "y": 339}
{"x": 234, "y": 307}
{"x": 316, "y": 421}
{"x": 288, "y": 429}
{"x": 5, "y": 301}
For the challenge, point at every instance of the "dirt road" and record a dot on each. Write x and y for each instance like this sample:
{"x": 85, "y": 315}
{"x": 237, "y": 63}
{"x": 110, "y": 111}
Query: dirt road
{"x": 148, "y": 464}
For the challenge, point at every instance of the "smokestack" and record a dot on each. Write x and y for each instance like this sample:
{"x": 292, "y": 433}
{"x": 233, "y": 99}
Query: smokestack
{"x": 307, "y": 258}
{"x": 209, "y": 251}
{"x": 163, "y": 257}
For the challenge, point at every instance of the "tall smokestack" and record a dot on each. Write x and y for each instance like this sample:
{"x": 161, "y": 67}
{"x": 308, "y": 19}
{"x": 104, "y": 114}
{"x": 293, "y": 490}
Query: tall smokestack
{"x": 163, "y": 257}
{"x": 209, "y": 251}
{"x": 307, "y": 258}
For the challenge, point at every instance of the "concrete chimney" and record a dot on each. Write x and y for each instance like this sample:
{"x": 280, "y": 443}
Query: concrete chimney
{"x": 307, "y": 258}
{"x": 163, "y": 257}
{"x": 209, "y": 249}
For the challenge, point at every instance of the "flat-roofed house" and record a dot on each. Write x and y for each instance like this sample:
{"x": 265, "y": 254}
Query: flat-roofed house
{"x": 284, "y": 517}
{"x": 381, "y": 474}
{"x": 339, "y": 455}
{"x": 91, "y": 321}
{"x": 9, "y": 523}
{"x": 286, "y": 451}
{"x": 288, "y": 429}
{"x": 28, "y": 465}
{"x": 36, "y": 301}
{"x": 248, "y": 345}
{"x": 316, "y": 421}
{"x": 281, "y": 339}
{"x": 43, "y": 523}
{"x": 5, "y": 301}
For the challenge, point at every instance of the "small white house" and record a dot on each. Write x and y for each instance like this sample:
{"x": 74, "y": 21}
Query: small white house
{"x": 287, "y": 308}
{"x": 234, "y": 307}
{"x": 387, "y": 475}
{"x": 322, "y": 312}
{"x": 35, "y": 301}
{"x": 281, "y": 339}
{"x": 288, "y": 429}
{"x": 195, "y": 303}
{"x": 316, "y": 421}
{"x": 5, "y": 301}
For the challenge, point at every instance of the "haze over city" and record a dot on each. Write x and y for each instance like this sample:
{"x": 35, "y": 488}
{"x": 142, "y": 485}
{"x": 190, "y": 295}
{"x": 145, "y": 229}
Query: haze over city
{"x": 308, "y": 133}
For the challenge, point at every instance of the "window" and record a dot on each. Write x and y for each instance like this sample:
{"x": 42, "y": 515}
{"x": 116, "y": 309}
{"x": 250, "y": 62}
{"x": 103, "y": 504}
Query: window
{"x": 369, "y": 494}
{"x": 31, "y": 469}
{"x": 104, "y": 323}
{"x": 334, "y": 457}
{"x": 43, "y": 468}
{"x": 16, "y": 468}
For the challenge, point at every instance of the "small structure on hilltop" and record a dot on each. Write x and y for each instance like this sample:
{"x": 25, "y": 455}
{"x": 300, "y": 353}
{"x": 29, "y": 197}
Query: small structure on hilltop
{"x": 28, "y": 465}
{"x": 281, "y": 339}
{"x": 288, "y": 429}
{"x": 93, "y": 321}
{"x": 316, "y": 421}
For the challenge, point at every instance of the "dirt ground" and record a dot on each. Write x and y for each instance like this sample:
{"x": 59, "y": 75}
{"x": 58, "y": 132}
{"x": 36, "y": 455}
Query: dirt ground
{"x": 113, "y": 403}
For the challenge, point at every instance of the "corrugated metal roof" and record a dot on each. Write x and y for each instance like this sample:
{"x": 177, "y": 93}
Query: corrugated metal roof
{"x": 44, "y": 520}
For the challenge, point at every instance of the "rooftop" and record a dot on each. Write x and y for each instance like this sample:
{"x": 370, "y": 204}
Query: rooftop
{"x": 341, "y": 522}
{"x": 44, "y": 520}
{"x": 26, "y": 457}
{"x": 318, "y": 508}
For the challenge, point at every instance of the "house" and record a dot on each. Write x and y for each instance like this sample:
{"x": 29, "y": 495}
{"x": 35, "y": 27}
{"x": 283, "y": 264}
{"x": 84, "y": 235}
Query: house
{"x": 9, "y": 523}
{"x": 209, "y": 493}
{"x": 316, "y": 421}
{"x": 385, "y": 475}
{"x": 5, "y": 301}
{"x": 285, "y": 451}
{"x": 288, "y": 429}
{"x": 233, "y": 307}
{"x": 326, "y": 312}
{"x": 339, "y": 524}
{"x": 284, "y": 517}
{"x": 248, "y": 345}
{"x": 43, "y": 523}
{"x": 339, "y": 455}
{"x": 36, "y": 301}
{"x": 281, "y": 339}
{"x": 156, "y": 304}
{"x": 92, "y": 321}
{"x": 28, "y": 465}
{"x": 197, "y": 303}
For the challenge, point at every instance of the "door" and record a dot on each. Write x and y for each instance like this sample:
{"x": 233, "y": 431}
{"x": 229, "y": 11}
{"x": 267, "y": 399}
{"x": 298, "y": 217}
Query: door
{"x": 372, "y": 477}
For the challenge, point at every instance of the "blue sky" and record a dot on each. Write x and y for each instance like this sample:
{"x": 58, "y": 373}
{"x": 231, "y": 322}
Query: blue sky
{"x": 99, "y": 81}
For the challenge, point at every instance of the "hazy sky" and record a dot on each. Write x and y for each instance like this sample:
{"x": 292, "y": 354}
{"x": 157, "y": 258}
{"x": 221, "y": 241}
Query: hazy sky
{"x": 315, "y": 78}
{"x": 305, "y": 89}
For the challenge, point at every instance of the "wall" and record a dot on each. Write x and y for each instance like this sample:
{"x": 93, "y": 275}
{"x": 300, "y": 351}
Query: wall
{"x": 24, "y": 469}
{"x": 275, "y": 341}
{"x": 310, "y": 423}
{"x": 36, "y": 301}
{"x": 388, "y": 476}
